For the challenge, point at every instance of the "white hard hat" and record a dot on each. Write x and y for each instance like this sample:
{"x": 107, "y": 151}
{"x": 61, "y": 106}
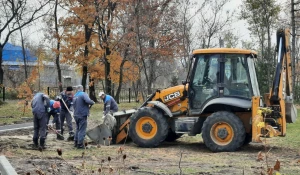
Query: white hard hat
{"x": 101, "y": 93}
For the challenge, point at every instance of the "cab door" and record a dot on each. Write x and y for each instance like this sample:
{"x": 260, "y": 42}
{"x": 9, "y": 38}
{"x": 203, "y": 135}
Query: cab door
{"x": 204, "y": 80}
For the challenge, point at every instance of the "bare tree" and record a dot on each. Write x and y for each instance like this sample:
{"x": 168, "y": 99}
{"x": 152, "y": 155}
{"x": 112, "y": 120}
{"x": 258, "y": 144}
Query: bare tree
{"x": 213, "y": 20}
{"x": 157, "y": 37}
{"x": 16, "y": 14}
{"x": 186, "y": 26}
{"x": 231, "y": 40}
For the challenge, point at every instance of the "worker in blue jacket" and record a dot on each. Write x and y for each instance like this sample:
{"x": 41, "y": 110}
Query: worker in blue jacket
{"x": 55, "y": 112}
{"x": 40, "y": 105}
{"x": 81, "y": 104}
{"x": 110, "y": 105}
{"x": 66, "y": 98}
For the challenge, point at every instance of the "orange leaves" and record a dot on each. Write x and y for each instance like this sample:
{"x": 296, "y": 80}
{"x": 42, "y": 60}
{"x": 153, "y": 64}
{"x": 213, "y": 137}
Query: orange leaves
{"x": 270, "y": 171}
{"x": 129, "y": 70}
{"x": 277, "y": 165}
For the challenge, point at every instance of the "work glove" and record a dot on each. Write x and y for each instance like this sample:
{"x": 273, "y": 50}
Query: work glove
{"x": 48, "y": 109}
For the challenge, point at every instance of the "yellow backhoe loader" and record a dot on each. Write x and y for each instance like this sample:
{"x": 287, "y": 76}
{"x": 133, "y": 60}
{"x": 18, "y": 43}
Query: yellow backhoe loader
{"x": 220, "y": 99}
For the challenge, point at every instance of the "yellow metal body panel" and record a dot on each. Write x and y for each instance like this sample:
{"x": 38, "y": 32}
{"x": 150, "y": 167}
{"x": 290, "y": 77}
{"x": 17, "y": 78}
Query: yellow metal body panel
{"x": 123, "y": 131}
{"x": 256, "y": 132}
{"x": 121, "y": 136}
{"x": 282, "y": 120}
{"x": 224, "y": 50}
{"x": 172, "y": 97}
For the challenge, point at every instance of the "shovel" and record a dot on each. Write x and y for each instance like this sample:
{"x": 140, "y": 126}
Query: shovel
{"x": 56, "y": 132}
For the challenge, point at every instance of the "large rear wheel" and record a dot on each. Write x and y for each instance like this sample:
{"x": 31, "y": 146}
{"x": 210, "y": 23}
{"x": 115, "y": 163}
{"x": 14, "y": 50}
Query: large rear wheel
{"x": 148, "y": 127}
{"x": 223, "y": 131}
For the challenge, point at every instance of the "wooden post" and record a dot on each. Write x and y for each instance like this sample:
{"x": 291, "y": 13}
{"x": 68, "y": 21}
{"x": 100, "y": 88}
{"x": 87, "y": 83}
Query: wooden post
{"x": 48, "y": 90}
{"x": 3, "y": 90}
{"x": 129, "y": 95}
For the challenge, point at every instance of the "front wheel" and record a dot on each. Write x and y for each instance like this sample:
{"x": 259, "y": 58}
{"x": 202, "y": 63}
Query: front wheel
{"x": 223, "y": 131}
{"x": 148, "y": 127}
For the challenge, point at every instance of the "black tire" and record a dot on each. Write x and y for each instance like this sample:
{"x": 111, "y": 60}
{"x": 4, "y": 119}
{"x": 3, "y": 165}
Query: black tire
{"x": 172, "y": 136}
{"x": 223, "y": 131}
{"x": 148, "y": 127}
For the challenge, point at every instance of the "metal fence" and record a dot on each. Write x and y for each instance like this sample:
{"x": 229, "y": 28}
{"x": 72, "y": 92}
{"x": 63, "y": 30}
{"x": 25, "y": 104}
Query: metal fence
{"x": 127, "y": 95}
{"x": 2, "y": 93}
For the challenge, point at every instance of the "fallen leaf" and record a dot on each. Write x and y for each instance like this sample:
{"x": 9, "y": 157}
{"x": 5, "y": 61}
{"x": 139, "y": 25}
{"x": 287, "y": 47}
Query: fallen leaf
{"x": 260, "y": 156}
{"x": 270, "y": 171}
{"x": 277, "y": 165}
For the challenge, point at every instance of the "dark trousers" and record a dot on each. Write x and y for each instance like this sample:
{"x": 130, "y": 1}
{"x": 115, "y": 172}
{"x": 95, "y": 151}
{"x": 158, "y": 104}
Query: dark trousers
{"x": 81, "y": 125}
{"x": 64, "y": 114}
{"x": 56, "y": 120}
{"x": 39, "y": 126}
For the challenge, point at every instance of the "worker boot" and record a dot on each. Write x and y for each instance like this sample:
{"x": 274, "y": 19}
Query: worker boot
{"x": 35, "y": 143}
{"x": 42, "y": 143}
{"x": 71, "y": 136}
{"x": 59, "y": 137}
{"x": 75, "y": 143}
{"x": 81, "y": 146}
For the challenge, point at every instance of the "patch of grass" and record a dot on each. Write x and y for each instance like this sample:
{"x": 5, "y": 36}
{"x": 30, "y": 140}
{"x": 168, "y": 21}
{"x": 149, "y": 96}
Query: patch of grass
{"x": 292, "y": 138}
{"x": 96, "y": 111}
{"x": 12, "y": 111}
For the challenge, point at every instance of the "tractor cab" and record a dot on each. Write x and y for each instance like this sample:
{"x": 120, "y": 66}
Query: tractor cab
{"x": 221, "y": 79}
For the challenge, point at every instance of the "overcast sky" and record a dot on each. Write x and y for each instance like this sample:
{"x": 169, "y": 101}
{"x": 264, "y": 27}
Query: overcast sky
{"x": 240, "y": 27}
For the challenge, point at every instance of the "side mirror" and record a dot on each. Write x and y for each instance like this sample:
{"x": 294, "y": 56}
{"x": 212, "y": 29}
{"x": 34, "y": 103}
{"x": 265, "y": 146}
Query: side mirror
{"x": 183, "y": 82}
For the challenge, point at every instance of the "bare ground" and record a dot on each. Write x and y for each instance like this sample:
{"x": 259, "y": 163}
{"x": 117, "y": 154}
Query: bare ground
{"x": 188, "y": 155}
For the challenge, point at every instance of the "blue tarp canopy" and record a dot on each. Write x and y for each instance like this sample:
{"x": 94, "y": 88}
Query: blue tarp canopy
{"x": 15, "y": 53}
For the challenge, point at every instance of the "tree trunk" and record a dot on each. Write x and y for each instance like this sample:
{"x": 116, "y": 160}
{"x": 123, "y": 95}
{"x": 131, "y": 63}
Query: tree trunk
{"x": 88, "y": 33}
{"x": 92, "y": 92}
{"x": 152, "y": 64}
{"x": 24, "y": 54}
{"x": 60, "y": 86}
{"x": 84, "y": 77}
{"x": 108, "y": 88}
{"x": 269, "y": 57}
{"x": 120, "y": 81}
{"x": 1, "y": 69}
{"x": 293, "y": 45}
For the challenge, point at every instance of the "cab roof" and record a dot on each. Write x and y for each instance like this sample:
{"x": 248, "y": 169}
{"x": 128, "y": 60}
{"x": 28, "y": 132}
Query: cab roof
{"x": 224, "y": 50}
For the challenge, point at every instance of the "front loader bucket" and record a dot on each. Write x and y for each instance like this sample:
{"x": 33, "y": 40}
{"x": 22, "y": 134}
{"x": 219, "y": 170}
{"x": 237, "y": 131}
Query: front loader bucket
{"x": 100, "y": 134}
{"x": 291, "y": 112}
{"x": 119, "y": 133}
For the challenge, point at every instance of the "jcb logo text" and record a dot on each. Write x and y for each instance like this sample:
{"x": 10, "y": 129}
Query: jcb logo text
{"x": 172, "y": 96}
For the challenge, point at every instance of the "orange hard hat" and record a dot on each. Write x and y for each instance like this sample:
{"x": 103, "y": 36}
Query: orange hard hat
{"x": 56, "y": 104}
